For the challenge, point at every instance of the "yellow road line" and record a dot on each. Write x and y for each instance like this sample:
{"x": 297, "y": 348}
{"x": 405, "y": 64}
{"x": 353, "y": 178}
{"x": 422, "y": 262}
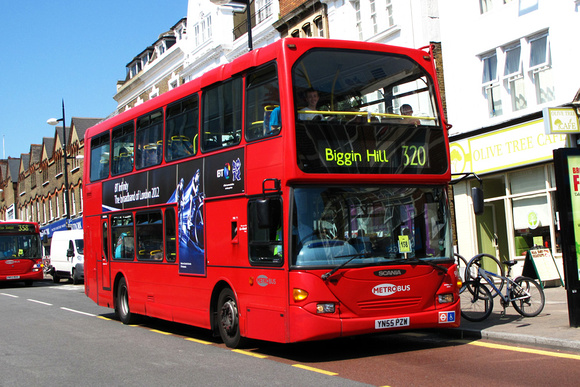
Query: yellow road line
{"x": 163, "y": 333}
{"x": 250, "y": 353}
{"x": 104, "y": 318}
{"x": 197, "y": 341}
{"x": 305, "y": 367}
{"x": 523, "y": 350}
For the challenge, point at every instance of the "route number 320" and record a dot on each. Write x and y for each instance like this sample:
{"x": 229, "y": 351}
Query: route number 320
{"x": 414, "y": 155}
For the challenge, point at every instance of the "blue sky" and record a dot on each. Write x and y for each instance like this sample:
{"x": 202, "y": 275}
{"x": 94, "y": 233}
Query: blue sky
{"x": 72, "y": 50}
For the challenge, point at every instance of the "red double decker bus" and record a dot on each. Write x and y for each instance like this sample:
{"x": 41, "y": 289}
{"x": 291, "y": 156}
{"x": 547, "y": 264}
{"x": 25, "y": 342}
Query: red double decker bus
{"x": 20, "y": 252}
{"x": 296, "y": 193}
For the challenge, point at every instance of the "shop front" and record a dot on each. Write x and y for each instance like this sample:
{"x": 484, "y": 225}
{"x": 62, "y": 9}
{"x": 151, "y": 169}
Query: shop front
{"x": 515, "y": 164}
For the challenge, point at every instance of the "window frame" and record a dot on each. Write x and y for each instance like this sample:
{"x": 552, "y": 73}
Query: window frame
{"x": 216, "y": 116}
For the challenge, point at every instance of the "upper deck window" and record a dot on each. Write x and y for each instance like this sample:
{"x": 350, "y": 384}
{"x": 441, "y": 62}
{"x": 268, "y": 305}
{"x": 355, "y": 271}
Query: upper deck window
{"x": 363, "y": 112}
{"x": 123, "y": 144}
{"x": 262, "y": 103}
{"x": 181, "y": 128}
{"x": 100, "y": 157}
{"x": 149, "y": 139}
{"x": 222, "y": 115}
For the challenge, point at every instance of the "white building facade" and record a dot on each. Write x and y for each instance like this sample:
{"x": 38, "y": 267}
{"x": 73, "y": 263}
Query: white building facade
{"x": 504, "y": 62}
{"x": 217, "y": 34}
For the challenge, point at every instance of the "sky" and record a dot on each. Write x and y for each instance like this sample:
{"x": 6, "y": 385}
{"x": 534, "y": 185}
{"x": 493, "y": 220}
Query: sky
{"x": 72, "y": 50}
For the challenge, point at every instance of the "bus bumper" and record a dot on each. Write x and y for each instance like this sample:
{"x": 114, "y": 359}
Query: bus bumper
{"x": 305, "y": 326}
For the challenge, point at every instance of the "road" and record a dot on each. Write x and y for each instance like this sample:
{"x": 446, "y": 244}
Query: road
{"x": 53, "y": 335}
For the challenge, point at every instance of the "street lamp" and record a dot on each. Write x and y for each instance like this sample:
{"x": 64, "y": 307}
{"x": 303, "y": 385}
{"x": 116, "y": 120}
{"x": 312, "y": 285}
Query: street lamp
{"x": 238, "y": 6}
{"x": 54, "y": 121}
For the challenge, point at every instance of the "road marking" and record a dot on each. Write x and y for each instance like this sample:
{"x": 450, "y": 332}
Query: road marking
{"x": 198, "y": 341}
{"x": 162, "y": 332}
{"x": 249, "y": 353}
{"x": 523, "y": 350}
{"x": 104, "y": 318}
{"x": 39, "y": 302}
{"x": 9, "y": 295}
{"x": 305, "y": 367}
{"x": 78, "y": 311}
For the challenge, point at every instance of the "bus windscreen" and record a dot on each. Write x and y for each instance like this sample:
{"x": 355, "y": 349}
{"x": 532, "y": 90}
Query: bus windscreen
{"x": 366, "y": 112}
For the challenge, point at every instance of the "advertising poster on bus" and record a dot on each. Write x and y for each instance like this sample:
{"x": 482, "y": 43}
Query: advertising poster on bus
{"x": 189, "y": 195}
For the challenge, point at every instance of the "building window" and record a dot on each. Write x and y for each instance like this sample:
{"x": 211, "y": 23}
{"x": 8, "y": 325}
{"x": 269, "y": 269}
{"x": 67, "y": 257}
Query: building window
{"x": 356, "y": 6}
{"x": 541, "y": 69}
{"x": 485, "y": 6}
{"x": 307, "y": 30}
{"x": 514, "y": 78}
{"x": 73, "y": 203}
{"x": 264, "y": 10}
{"x": 491, "y": 86}
{"x": 389, "y": 9}
{"x": 319, "y": 26}
{"x": 295, "y": 34}
{"x": 374, "y": 17}
{"x": 64, "y": 204}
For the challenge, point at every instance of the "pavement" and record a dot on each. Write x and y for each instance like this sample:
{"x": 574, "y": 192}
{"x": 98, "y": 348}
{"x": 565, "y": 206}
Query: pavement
{"x": 551, "y": 328}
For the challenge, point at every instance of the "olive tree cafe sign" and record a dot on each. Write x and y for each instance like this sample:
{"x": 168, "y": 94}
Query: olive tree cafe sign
{"x": 560, "y": 120}
{"x": 506, "y": 148}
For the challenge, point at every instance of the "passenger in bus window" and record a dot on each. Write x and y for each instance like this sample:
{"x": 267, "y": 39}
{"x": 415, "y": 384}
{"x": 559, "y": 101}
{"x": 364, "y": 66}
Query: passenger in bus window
{"x": 407, "y": 110}
{"x": 275, "y": 120}
{"x": 311, "y": 97}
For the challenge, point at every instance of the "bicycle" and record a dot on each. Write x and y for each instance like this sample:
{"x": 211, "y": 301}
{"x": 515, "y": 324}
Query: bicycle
{"x": 525, "y": 294}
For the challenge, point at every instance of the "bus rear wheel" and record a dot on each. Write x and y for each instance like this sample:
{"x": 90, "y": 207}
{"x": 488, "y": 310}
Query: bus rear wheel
{"x": 122, "y": 303}
{"x": 228, "y": 319}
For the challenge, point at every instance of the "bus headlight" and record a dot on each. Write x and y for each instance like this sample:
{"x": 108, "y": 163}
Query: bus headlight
{"x": 458, "y": 276}
{"x": 299, "y": 294}
{"x": 328, "y": 307}
{"x": 445, "y": 298}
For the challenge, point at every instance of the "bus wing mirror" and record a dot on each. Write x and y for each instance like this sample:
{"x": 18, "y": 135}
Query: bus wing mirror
{"x": 263, "y": 213}
{"x": 477, "y": 197}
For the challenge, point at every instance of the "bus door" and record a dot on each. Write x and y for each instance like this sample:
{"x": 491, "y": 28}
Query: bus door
{"x": 103, "y": 263}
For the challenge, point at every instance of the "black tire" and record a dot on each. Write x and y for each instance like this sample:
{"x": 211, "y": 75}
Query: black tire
{"x": 122, "y": 309}
{"x": 461, "y": 266}
{"x": 476, "y": 301}
{"x": 489, "y": 263}
{"x": 228, "y": 319}
{"x": 55, "y": 277}
{"x": 531, "y": 297}
{"x": 75, "y": 278}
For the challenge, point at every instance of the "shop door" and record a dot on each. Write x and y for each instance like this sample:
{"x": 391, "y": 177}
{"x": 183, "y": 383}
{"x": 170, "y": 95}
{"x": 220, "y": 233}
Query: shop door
{"x": 488, "y": 239}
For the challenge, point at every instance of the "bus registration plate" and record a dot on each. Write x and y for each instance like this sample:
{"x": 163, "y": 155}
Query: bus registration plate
{"x": 392, "y": 323}
{"x": 10, "y": 277}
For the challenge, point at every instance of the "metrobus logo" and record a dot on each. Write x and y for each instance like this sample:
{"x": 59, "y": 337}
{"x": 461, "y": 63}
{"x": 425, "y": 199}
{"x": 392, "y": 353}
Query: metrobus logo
{"x": 263, "y": 280}
{"x": 388, "y": 289}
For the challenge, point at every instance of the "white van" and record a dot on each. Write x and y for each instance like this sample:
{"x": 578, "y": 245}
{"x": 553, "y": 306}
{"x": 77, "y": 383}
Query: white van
{"x": 66, "y": 256}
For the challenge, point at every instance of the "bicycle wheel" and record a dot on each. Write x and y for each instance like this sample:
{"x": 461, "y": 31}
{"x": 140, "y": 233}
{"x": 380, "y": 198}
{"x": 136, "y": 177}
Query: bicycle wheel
{"x": 461, "y": 265}
{"x": 476, "y": 301}
{"x": 489, "y": 263}
{"x": 529, "y": 297}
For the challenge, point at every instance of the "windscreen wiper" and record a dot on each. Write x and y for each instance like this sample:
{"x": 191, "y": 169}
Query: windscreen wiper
{"x": 325, "y": 276}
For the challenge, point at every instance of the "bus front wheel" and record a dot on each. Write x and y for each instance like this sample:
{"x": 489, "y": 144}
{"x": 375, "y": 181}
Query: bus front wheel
{"x": 122, "y": 303}
{"x": 228, "y": 319}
